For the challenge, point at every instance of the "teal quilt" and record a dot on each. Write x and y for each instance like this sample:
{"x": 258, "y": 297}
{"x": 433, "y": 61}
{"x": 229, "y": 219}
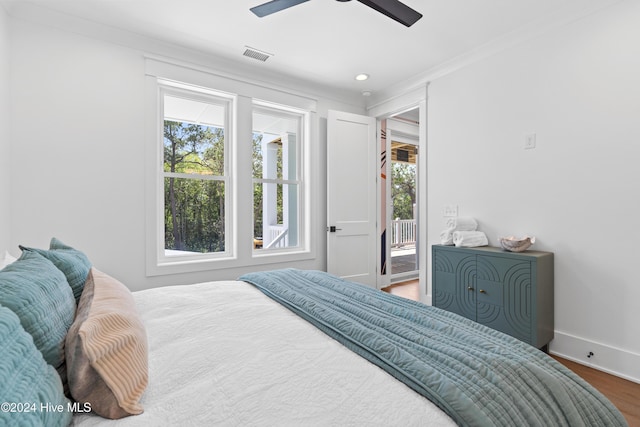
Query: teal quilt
{"x": 478, "y": 376}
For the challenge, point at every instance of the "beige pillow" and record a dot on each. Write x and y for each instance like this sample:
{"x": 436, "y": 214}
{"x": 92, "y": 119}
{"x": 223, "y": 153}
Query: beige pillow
{"x": 106, "y": 349}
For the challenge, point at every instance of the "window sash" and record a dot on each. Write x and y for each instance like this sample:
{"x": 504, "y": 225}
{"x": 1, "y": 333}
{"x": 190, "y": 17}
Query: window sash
{"x": 170, "y": 89}
{"x": 195, "y": 176}
{"x": 298, "y": 128}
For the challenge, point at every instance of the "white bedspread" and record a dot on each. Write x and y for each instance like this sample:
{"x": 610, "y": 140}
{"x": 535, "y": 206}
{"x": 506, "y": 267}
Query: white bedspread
{"x": 222, "y": 353}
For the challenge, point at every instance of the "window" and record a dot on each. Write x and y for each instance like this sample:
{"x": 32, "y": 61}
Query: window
{"x": 227, "y": 172}
{"x": 194, "y": 173}
{"x": 276, "y": 177}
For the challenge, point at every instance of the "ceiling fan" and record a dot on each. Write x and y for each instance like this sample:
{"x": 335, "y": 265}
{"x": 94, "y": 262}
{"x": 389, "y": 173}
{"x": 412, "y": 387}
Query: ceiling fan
{"x": 394, "y": 9}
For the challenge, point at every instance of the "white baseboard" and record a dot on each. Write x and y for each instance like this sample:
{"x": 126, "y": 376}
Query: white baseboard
{"x": 612, "y": 360}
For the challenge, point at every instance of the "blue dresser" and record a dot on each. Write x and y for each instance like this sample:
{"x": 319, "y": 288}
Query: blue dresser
{"x": 508, "y": 291}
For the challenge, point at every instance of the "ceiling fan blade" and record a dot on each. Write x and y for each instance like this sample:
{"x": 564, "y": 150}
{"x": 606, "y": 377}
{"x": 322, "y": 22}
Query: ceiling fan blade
{"x": 274, "y": 6}
{"x": 395, "y": 10}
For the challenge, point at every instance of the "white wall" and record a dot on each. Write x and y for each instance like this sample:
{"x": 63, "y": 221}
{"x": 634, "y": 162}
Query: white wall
{"x": 78, "y": 152}
{"x": 5, "y": 150}
{"x": 578, "y": 191}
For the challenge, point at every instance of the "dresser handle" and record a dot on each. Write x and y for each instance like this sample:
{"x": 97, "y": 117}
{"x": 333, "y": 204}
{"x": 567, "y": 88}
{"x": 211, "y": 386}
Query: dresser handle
{"x": 470, "y": 288}
{"x": 482, "y": 291}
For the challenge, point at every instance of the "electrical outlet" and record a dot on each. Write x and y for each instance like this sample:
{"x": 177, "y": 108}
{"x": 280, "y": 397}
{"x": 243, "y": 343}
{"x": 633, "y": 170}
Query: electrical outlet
{"x": 450, "y": 210}
{"x": 530, "y": 141}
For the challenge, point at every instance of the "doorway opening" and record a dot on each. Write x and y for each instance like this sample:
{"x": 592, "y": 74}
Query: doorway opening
{"x": 401, "y": 198}
{"x": 404, "y": 227}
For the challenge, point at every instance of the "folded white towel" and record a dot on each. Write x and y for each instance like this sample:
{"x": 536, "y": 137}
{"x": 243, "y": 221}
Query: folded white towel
{"x": 470, "y": 239}
{"x": 446, "y": 237}
{"x": 462, "y": 224}
{"x": 7, "y": 258}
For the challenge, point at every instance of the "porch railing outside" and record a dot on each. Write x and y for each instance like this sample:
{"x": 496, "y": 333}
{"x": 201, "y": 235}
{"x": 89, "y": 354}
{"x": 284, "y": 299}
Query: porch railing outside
{"x": 403, "y": 232}
{"x": 277, "y": 236}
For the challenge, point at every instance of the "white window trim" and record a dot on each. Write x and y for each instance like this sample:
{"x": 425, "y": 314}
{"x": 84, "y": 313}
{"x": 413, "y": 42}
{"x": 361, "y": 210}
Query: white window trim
{"x": 303, "y": 136}
{"x": 238, "y": 225}
{"x": 206, "y": 96}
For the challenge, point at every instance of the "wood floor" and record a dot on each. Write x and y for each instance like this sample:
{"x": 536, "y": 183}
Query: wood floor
{"x": 625, "y": 395}
{"x": 622, "y": 393}
{"x": 408, "y": 289}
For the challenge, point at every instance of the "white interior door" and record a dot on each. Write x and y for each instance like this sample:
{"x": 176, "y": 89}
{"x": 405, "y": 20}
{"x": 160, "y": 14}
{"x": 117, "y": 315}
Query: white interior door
{"x": 351, "y": 197}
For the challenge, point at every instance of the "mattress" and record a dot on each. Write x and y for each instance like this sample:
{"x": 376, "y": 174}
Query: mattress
{"x": 223, "y": 353}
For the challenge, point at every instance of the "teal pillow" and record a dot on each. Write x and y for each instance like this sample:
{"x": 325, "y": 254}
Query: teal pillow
{"x": 26, "y": 381}
{"x": 73, "y": 263}
{"x": 34, "y": 289}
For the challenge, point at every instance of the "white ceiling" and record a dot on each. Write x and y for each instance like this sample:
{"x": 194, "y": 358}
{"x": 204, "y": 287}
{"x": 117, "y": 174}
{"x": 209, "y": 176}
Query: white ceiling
{"x": 329, "y": 42}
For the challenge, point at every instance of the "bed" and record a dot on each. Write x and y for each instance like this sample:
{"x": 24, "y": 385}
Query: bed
{"x": 296, "y": 347}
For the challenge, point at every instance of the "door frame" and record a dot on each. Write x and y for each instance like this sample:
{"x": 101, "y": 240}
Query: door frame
{"x": 412, "y": 99}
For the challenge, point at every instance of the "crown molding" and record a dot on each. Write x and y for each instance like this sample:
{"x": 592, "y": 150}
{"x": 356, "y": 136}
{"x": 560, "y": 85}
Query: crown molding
{"x": 537, "y": 28}
{"x": 152, "y": 47}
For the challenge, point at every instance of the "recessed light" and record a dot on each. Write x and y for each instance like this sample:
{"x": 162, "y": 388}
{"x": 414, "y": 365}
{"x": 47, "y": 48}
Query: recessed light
{"x": 362, "y": 76}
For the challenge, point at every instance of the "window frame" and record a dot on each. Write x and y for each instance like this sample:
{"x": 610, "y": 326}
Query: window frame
{"x": 243, "y": 95}
{"x": 302, "y": 142}
{"x": 214, "y": 98}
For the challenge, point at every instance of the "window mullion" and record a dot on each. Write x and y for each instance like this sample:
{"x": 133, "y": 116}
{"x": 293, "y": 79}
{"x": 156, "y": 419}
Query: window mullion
{"x": 242, "y": 178}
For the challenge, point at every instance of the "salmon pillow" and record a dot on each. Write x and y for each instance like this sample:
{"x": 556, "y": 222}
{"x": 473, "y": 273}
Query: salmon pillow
{"x": 106, "y": 349}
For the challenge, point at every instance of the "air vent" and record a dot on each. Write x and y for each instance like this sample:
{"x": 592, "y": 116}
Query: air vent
{"x": 256, "y": 54}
